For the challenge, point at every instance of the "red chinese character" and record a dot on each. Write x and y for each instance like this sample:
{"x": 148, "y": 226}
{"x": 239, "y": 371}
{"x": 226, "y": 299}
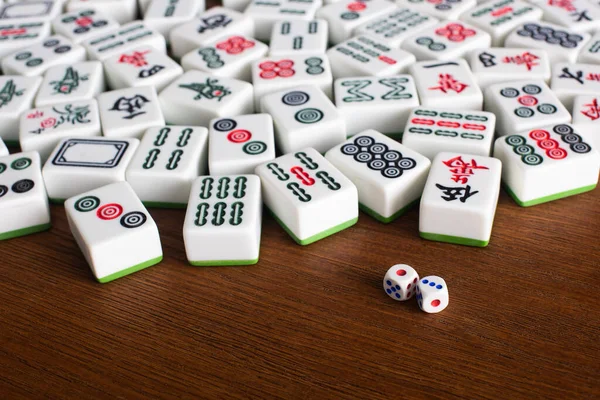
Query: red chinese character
{"x": 462, "y": 170}
{"x": 387, "y": 60}
{"x": 528, "y": 59}
{"x": 448, "y": 83}
{"x": 12, "y": 32}
{"x": 566, "y": 4}
{"x": 593, "y": 112}
{"x": 593, "y": 77}
{"x": 137, "y": 59}
{"x": 34, "y": 115}
{"x": 501, "y": 11}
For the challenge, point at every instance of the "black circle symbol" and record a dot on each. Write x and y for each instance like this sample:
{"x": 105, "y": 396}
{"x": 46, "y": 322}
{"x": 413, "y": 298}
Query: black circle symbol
{"x": 532, "y": 159}
{"x": 563, "y": 129}
{"x": 560, "y": 34}
{"x": 377, "y": 165}
{"x": 309, "y": 115}
{"x": 532, "y": 89}
{"x": 87, "y": 203}
{"x": 407, "y": 163}
{"x": 22, "y": 186}
{"x": 87, "y": 13}
{"x": 581, "y": 147}
{"x": 424, "y": 41}
{"x": 133, "y": 219}
{"x": 523, "y": 149}
{"x": 364, "y": 141}
{"x": 21, "y": 163}
{"x": 68, "y": 20}
{"x": 254, "y": 148}
{"x": 224, "y": 125}
{"x": 62, "y": 49}
{"x": 23, "y": 56}
{"x": 392, "y": 155}
{"x": 363, "y": 157}
{"x": 524, "y": 112}
{"x": 546, "y": 108}
{"x": 391, "y": 172}
{"x": 568, "y": 44}
{"x": 2, "y": 167}
{"x": 524, "y": 33}
{"x": 349, "y": 15}
{"x": 295, "y": 98}
{"x": 531, "y": 27}
{"x": 3, "y": 190}
{"x": 315, "y": 70}
{"x": 51, "y": 43}
{"x": 313, "y": 62}
{"x": 349, "y": 149}
{"x": 437, "y": 46}
{"x": 571, "y": 138}
{"x": 34, "y": 62}
{"x": 378, "y": 148}
{"x": 509, "y": 92}
{"x": 515, "y": 140}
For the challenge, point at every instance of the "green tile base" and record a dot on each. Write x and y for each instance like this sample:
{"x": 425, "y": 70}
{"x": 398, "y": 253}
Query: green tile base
{"x": 11, "y": 143}
{"x": 25, "y": 231}
{"x": 454, "y": 239}
{"x": 546, "y": 199}
{"x": 130, "y": 270}
{"x": 222, "y": 263}
{"x": 381, "y": 218}
{"x": 161, "y": 204}
{"x": 56, "y": 201}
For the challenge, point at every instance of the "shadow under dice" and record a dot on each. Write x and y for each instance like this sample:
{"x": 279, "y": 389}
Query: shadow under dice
{"x": 23, "y": 200}
{"x": 547, "y": 164}
{"x": 400, "y": 282}
{"x": 16, "y": 96}
{"x": 223, "y": 221}
{"x": 298, "y": 37}
{"x": 114, "y": 231}
{"x": 308, "y": 196}
{"x": 389, "y": 177}
{"x": 459, "y": 200}
{"x": 432, "y": 294}
{"x": 68, "y": 83}
{"x": 570, "y": 80}
{"x": 82, "y": 25}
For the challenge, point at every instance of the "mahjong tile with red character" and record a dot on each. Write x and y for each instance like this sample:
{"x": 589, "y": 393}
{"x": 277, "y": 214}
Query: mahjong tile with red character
{"x": 448, "y": 84}
{"x": 497, "y": 64}
{"x": 547, "y": 163}
{"x": 570, "y": 80}
{"x": 82, "y": 25}
{"x": 586, "y": 117}
{"x": 400, "y": 282}
{"x": 265, "y": 14}
{"x": 71, "y": 82}
{"x": 447, "y": 40}
{"x": 591, "y": 52}
{"x": 298, "y": 37}
{"x": 16, "y": 96}
{"x": 164, "y": 15}
{"x": 122, "y": 11}
{"x": 21, "y": 34}
{"x": 441, "y": 9}
{"x": 577, "y": 15}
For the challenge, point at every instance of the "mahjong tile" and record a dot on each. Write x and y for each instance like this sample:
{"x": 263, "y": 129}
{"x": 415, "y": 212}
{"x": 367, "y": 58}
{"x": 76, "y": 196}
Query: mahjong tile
{"x": 23, "y": 200}
{"x": 586, "y": 117}
{"x": 308, "y": 196}
{"x": 14, "y": 36}
{"x": 237, "y": 5}
{"x": 208, "y": 27}
{"x": 298, "y": 37}
{"x": 3, "y": 149}
{"x": 441, "y": 9}
{"x": 126, "y": 38}
{"x": 230, "y": 56}
{"x": 164, "y": 15}
{"x": 382, "y": 103}
{"x": 71, "y": 82}
{"x": 459, "y": 200}
{"x": 238, "y": 145}
{"x": 345, "y": 16}
{"x": 304, "y": 117}
{"x": 389, "y": 176}
{"x": 562, "y": 44}
{"x": 82, "y": 25}
{"x": 447, "y": 84}
{"x": 497, "y": 65}
{"x": 114, "y": 231}
{"x": 577, "y": 15}
{"x": 223, "y": 221}
{"x": 122, "y": 11}
{"x": 77, "y": 165}
{"x": 141, "y": 66}
{"x": 365, "y": 55}
{"x": 396, "y": 26}
{"x": 16, "y": 96}
{"x": 166, "y": 163}
{"x": 547, "y": 163}
{"x": 591, "y": 51}
{"x": 446, "y": 40}
{"x": 570, "y": 80}
{"x": 196, "y": 97}
{"x": 37, "y": 58}
{"x": 129, "y": 112}
{"x": 29, "y": 11}
{"x": 522, "y": 105}
{"x": 433, "y": 130}
{"x": 265, "y": 14}
{"x": 432, "y": 294}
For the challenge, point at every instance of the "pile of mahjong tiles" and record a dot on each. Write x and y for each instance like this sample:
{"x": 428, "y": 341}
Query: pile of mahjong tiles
{"x": 314, "y": 109}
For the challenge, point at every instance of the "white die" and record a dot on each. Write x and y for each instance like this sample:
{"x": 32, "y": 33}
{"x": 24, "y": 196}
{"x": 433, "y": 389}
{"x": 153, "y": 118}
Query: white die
{"x": 238, "y": 145}
{"x": 459, "y": 200}
{"x": 389, "y": 176}
{"x": 497, "y": 65}
{"x": 77, "y": 165}
{"x": 41, "y": 129}
{"x": 265, "y": 14}
{"x": 298, "y": 37}
{"x": 21, "y": 34}
{"x": 443, "y": 9}
{"x": 523, "y": 105}
{"x": 197, "y": 97}
{"x": 433, "y": 130}
{"x": 71, "y": 82}
{"x": 446, "y": 41}
{"x": 448, "y": 84}
{"x": 586, "y": 117}
{"x": 547, "y": 163}
{"x": 23, "y": 200}
{"x": 400, "y": 282}
{"x": 382, "y": 104}
{"x": 577, "y": 15}
{"x": 308, "y": 196}
{"x": 168, "y": 160}
{"x": 591, "y": 51}
{"x": 432, "y": 294}
{"x": 82, "y": 25}
{"x": 29, "y": 11}
{"x": 122, "y": 11}
{"x": 223, "y": 221}
{"x": 3, "y": 149}
{"x": 129, "y": 112}
{"x": 209, "y": 26}
{"x": 164, "y": 15}
{"x": 304, "y": 117}
{"x": 141, "y": 66}
{"x": 230, "y": 56}
{"x": 570, "y": 80}
{"x": 16, "y": 96}
{"x": 345, "y": 16}
{"x": 114, "y": 231}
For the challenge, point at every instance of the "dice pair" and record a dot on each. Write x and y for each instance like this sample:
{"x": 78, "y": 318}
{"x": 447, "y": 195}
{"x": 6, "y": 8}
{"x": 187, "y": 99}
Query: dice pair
{"x": 401, "y": 282}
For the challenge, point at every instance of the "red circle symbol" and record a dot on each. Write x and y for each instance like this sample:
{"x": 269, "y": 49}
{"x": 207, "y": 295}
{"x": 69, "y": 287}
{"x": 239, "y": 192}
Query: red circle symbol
{"x": 109, "y": 211}
{"x": 435, "y": 303}
{"x": 271, "y": 69}
{"x": 356, "y": 6}
{"x": 267, "y": 66}
{"x": 556, "y": 154}
{"x": 239, "y": 136}
{"x": 528, "y": 101}
{"x": 539, "y": 134}
{"x": 401, "y": 272}
{"x": 548, "y": 144}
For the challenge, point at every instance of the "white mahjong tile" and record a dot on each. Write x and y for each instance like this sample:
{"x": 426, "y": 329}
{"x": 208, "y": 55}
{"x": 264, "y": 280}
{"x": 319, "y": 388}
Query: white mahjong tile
{"x": 77, "y": 165}
{"x": 29, "y": 11}
{"x": 164, "y": 15}
{"x": 122, "y": 11}
{"x": 14, "y": 36}
{"x": 82, "y": 25}
{"x": 590, "y": 54}
{"x": 166, "y": 163}
{"x": 16, "y": 96}
{"x": 441, "y": 9}
{"x": 381, "y": 103}
{"x": 298, "y": 37}
{"x": 3, "y": 149}
{"x": 547, "y": 163}
{"x": 71, "y": 82}
{"x": 308, "y": 196}
{"x": 223, "y": 221}
{"x": 459, "y": 200}
{"x": 114, "y": 231}
{"x": 237, "y": 5}
{"x": 586, "y": 117}
{"x": 266, "y": 13}
{"x": 577, "y": 15}
{"x": 570, "y": 80}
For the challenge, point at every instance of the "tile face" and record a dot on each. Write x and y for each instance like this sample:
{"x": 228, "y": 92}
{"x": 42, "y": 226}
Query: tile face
{"x": 388, "y": 175}
{"x": 400, "y": 282}
{"x": 16, "y": 96}
{"x": 196, "y": 98}
{"x": 40, "y": 129}
{"x": 432, "y": 294}
{"x": 223, "y": 221}
{"x": 82, "y": 25}
{"x": 23, "y": 201}
{"x": 444, "y": 9}
{"x": 167, "y": 162}
{"x": 577, "y": 15}
{"x": 308, "y": 196}
{"x": 304, "y": 117}
{"x": 129, "y": 112}
{"x": 122, "y": 11}
{"x": 3, "y": 149}
{"x": 79, "y": 165}
{"x": 586, "y": 117}
{"x": 382, "y": 104}
{"x": 591, "y": 51}
{"x": 14, "y": 36}
{"x": 570, "y": 80}
{"x": 164, "y": 15}
{"x": 298, "y": 37}
{"x": 114, "y": 231}
{"x": 546, "y": 164}
{"x": 460, "y": 197}
{"x": 30, "y": 11}
{"x": 433, "y": 130}
{"x": 71, "y": 82}
{"x": 265, "y": 14}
